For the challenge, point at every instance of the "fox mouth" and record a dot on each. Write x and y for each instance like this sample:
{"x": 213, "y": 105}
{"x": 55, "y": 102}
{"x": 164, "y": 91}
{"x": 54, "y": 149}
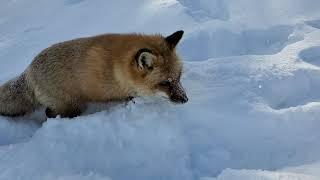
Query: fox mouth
{"x": 175, "y": 100}
{"x": 179, "y": 100}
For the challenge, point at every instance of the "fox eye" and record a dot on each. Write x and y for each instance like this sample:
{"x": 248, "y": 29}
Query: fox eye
{"x": 166, "y": 82}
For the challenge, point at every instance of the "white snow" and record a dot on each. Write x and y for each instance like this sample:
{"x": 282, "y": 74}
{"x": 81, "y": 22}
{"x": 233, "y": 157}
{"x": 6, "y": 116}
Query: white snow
{"x": 252, "y": 73}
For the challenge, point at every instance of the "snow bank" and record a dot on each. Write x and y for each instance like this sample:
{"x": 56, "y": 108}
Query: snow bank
{"x": 259, "y": 175}
{"x": 251, "y": 71}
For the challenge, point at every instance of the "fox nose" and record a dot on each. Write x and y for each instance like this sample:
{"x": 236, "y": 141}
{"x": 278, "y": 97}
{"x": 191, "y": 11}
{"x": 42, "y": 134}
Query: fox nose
{"x": 178, "y": 94}
{"x": 184, "y": 99}
{"x": 179, "y": 99}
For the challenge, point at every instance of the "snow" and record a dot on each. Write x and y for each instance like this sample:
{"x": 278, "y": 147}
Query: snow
{"x": 252, "y": 73}
{"x": 259, "y": 175}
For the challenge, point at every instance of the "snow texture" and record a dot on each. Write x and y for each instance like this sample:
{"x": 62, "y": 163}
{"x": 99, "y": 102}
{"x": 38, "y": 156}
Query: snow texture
{"x": 252, "y": 73}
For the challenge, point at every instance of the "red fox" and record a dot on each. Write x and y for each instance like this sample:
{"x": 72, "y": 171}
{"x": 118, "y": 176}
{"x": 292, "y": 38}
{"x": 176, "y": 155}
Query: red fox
{"x": 110, "y": 67}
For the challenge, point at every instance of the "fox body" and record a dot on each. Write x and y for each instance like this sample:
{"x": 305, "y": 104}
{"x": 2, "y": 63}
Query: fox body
{"x": 111, "y": 67}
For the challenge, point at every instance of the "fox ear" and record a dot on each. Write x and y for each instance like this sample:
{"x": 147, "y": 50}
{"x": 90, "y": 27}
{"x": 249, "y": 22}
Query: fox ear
{"x": 174, "y": 39}
{"x": 145, "y": 59}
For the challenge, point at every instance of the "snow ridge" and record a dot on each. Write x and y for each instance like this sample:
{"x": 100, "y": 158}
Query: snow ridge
{"x": 252, "y": 72}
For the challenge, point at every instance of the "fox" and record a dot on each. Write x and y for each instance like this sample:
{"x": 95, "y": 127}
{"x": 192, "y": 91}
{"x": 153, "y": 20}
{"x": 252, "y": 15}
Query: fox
{"x": 66, "y": 76}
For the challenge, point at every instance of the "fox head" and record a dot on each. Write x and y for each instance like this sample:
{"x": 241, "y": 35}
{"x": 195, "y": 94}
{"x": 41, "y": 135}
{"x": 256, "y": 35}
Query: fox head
{"x": 157, "y": 67}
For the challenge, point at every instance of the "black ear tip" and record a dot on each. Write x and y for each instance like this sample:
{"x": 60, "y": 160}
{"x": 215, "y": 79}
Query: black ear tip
{"x": 179, "y": 33}
{"x": 174, "y": 38}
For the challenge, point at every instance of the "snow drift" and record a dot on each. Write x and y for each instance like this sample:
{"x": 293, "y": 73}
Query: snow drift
{"x": 252, "y": 72}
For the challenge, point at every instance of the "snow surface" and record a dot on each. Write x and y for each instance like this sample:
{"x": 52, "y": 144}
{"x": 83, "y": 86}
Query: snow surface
{"x": 252, "y": 73}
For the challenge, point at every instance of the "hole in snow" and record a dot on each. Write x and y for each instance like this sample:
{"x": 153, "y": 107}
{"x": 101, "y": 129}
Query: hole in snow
{"x": 311, "y": 55}
{"x": 283, "y": 93}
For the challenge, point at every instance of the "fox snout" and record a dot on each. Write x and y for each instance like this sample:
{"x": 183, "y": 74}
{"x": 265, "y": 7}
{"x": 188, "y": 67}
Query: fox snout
{"x": 177, "y": 93}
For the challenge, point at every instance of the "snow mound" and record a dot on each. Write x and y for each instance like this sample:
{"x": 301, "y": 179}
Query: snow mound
{"x": 251, "y": 71}
{"x": 222, "y": 42}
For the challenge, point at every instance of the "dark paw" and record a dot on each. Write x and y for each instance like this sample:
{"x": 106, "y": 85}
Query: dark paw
{"x": 66, "y": 114}
{"x": 50, "y": 113}
{"x": 130, "y": 98}
{"x": 71, "y": 114}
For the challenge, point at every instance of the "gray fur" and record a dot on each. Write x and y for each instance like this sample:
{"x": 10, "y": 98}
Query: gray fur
{"x": 16, "y": 98}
